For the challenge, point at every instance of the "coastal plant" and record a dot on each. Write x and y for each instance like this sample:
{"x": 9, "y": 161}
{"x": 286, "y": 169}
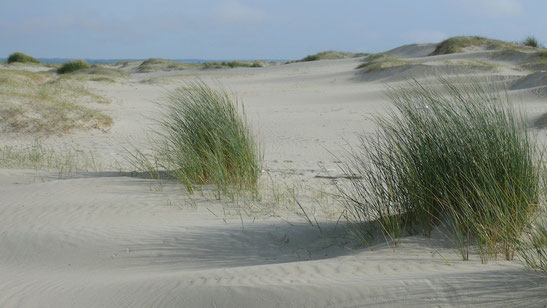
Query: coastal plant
{"x": 72, "y": 66}
{"x": 39, "y": 103}
{"x": 331, "y": 55}
{"x": 533, "y": 244}
{"x": 455, "y": 153}
{"x": 380, "y": 61}
{"x": 64, "y": 159}
{"x": 459, "y": 43}
{"x": 21, "y": 58}
{"x": 530, "y": 41}
{"x": 204, "y": 138}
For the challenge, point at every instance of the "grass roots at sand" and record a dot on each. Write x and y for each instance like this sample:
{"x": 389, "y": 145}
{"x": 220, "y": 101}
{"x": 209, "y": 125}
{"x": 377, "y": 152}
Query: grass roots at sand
{"x": 205, "y": 139}
{"x": 454, "y": 154}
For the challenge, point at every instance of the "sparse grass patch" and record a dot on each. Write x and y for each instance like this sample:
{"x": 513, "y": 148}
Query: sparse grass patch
{"x": 537, "y": 64}
{"x": 331, "y": 55}
{"x": 471, "y": 63}
{"x": 455, "y": 154}
{"x": 230, "y": 64}
{"x": 533, "y": 244}
{"x": 21, "y": 58}
{"x": 156, "y": 65}
{"x": 105, "y": 71}
{"x": 38, "y": 156}
{"x": 35, "y": 102}
{"x": 380, "y": 61}
{"x": 204, "y": 138}
{"x": 459, "y": 43}
{"x": 72, "y": 66}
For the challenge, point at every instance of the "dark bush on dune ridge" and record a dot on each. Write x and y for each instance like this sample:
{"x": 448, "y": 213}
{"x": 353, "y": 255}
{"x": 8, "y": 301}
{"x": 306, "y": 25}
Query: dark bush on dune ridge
{"x": 72, "y": 66}
{"x": 21, "y": 58}
{"x": 530, "y": 41}
{"x": 455, "y": 154}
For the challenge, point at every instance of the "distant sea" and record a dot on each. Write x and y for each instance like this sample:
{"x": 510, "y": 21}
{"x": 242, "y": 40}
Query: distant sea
{"x": 63, "y": 60}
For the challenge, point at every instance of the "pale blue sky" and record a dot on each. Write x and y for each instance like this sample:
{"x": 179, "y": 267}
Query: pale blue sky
{"x": 260, "y": 29}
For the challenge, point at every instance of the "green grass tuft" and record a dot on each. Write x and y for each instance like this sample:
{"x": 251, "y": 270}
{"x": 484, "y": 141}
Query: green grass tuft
{"x": 72, "y": 66}
{"x": 231, "y": 64}
{"x": 331, "y": 55}
{"x": 380, "y": 61}
{"x": 456, "y": 154}
{"x": 530, "y": 41}
{"x": 21, "y": 58}
{"x": 459, "y": 43}
{"x": 205, "y": 139}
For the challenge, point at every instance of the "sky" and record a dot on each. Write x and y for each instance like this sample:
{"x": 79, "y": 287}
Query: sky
{"x": 259, "y": 29}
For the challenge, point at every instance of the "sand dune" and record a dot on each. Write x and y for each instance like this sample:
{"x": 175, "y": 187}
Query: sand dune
{"x": 105, "y": 239}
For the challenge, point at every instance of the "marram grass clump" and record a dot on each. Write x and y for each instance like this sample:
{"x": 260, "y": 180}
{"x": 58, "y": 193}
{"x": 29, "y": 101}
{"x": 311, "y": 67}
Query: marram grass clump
{"x": 205, "y": 139}
{"x": 531, "y": 41}
{"x": 72, "y": 66}
{"x": 21, "y": 58}
{"x": 452, "y": 153}
{"x": 459, "y": 43}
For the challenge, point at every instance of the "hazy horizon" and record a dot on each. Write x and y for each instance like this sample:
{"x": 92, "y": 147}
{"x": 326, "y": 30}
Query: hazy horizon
{"x": 243, "y": 29}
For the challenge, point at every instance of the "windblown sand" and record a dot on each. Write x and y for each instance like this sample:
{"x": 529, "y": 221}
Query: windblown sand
{"x": 105, "y": 239}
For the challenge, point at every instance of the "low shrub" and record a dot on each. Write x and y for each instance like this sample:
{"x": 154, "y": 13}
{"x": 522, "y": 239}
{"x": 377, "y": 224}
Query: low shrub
{"x": 72, "y": 66}
{"x": 530, "y": 41}
{"x": 21, "y": 58}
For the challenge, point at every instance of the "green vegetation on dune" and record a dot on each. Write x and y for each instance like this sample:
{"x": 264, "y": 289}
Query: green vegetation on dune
{"x": 531, "y": 41}
{"x": 331, "y": 55}
{"x": 459, "y": 43}
{"x": 471, "y": 64}
{"x": 72, "y": 66}
{"x": 204, "y": 138}
{"x": 538, "y": 62}
{"x": 380, "y": 61}
{"x": 39, "y": 103}
{"x": 455, "y": 154}
{"x": 232, "y": 64}
{"x": 155, "y": 65}
{"x": 20, "y": 57}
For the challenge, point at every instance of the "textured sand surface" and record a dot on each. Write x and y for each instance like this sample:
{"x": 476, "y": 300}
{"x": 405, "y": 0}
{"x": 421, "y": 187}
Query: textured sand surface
{"x": 103, "y": 239}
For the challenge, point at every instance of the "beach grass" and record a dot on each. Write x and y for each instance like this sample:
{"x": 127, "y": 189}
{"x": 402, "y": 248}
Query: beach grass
{"x": 156, "y": 64}
{"x": 37, "y": 155}
{"x": 380, "y": 61}
{"x": 537, "y": 63}
{"x": 459, "y": 43}
{"x": 531, "y": 41}
{"x": 72, "y": 66}
{"x": 20, "y": 57}
{"x": 455, "y": 153}
{"x": 533, "y": 244}
{"x": 231, "y": 64}
{"x": 39, "y": 103}
{"x": 331, "y": 55}
{"x": 204, "y": 138}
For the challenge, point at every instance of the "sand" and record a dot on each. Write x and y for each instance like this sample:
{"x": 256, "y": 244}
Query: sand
{"x": 105, "y": 239}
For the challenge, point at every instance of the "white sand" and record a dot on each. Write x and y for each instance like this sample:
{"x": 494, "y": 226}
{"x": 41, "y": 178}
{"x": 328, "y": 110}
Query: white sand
{"x": 106, "y": 240}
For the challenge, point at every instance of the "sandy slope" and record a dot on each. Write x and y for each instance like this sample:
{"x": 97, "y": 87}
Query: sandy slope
{"x": 106, "y": 240}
